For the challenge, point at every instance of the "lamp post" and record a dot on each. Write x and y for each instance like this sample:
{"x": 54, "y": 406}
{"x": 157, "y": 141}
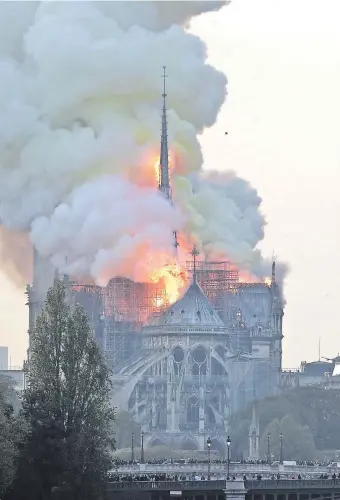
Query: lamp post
{"x": 281, "y": 448}
{"x": 132, "y": 447}
{"x": 228, "y": 463}
{"x": 268, "y": 448}
{"x": 209, "y": 464}
{"x": 142, "y": 447}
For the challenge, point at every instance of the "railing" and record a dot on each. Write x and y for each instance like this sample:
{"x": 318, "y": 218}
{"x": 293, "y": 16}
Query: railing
{"x": 169, "y": 328}
{"x": 288, "y": 484}
{"x": 165, "y": 485}
{"x": 268, "y": 484}
{"x": 207, "y": 379}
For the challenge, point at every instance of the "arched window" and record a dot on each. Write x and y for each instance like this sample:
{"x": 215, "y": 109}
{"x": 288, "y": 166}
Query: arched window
{"x": 193, "y": 410}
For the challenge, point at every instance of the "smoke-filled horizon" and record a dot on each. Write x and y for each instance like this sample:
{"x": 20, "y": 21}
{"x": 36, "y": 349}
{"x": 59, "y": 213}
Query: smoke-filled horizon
{"x": 80, "y": 111}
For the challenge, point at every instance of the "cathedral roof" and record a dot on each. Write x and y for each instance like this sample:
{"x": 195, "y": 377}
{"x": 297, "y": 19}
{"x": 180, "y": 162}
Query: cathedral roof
{"x": 193, "y": 308}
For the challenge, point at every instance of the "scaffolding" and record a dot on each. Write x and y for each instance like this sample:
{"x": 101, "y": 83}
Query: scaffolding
{"x": 124, "y": 300}
{"x": 216, "y": 280}
{"x": 121, "y": 340}
{"x": 119, "y": 310}
{"x": 128, "y": 301}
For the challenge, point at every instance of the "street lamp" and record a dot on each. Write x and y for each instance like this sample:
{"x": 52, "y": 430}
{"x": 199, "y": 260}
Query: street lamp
{"x": 142, "y": 447}
{"x": 132, "y": 447}
{"x": 209, "y": 447}
{"x": 281, "y": 448}
{"x": 228, "y": 464}
{"x": 268, "y": 448}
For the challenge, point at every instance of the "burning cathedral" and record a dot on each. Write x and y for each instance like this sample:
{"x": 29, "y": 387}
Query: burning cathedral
{"x": 181, "y": 370}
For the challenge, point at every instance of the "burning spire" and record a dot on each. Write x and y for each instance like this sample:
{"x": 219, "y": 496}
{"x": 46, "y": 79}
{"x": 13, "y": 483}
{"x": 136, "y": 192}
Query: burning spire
{"x": 164, "y": 177}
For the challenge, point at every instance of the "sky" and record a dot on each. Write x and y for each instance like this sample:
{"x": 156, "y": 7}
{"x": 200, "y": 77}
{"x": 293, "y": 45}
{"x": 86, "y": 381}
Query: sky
{"x": 282, "y": 115}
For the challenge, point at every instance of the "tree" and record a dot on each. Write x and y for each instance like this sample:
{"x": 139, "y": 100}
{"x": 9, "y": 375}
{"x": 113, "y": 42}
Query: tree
{"x": 311, "y": 406}
{"x": 298, "y": 440}
{"x": 10, "y": 433}
{"x": 67, "y": 406}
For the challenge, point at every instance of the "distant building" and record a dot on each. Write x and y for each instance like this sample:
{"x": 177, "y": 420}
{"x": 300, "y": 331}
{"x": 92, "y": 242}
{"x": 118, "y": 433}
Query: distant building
{"x": 17, "y": 376}
{"x": 323, "y": 373}
{"x": 3, "y": 358}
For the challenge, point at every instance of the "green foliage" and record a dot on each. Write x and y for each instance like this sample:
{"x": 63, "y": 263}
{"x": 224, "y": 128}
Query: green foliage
{"x": 67, "y": 406}
{"x": 314, "y": 407}
{"x": 124, "y": 427}
{"x": 11, "y": 430}
{"x": 298, "y": 440}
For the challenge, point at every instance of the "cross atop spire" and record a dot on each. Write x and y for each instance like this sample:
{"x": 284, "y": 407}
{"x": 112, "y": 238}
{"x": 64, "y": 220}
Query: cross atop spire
{"x": 194, "y": 252}
{"x": 164, "y": 92}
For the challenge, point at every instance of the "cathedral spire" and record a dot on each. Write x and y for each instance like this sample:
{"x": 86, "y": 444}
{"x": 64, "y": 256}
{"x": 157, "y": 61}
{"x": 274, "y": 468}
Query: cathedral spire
{"x": 164, "y": 175}
{"x": 164, "y": 178}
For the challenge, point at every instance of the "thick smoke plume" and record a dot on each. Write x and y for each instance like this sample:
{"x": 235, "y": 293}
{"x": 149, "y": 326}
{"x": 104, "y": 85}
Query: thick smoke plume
{"x": 80, "y": 104}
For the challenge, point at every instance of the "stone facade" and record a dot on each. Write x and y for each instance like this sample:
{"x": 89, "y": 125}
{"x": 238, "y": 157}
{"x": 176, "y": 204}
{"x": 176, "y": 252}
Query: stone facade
{"x": 189, "y": 375}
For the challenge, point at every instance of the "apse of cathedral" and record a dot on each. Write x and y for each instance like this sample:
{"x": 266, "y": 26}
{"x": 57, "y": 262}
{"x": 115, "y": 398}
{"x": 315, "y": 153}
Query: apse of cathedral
{"x": 194, "y": 369}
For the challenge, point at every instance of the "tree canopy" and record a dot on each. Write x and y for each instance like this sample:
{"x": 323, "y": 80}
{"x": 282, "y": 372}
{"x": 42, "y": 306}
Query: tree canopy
{"x": 312, "y": 406}
{"x": 298, "y": 442}
{"x": 11, "y": 429}
{"x": 67, "y": 406}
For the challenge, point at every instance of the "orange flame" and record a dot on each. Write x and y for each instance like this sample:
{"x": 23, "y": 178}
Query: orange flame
{"x": 174, "y": 279}
{"x": 157, "y": 170}
{"x": 159, "y": 302}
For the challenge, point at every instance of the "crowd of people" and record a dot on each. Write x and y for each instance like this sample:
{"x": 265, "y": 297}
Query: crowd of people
{"x": 321, "y": 463}
{"x": 155, "y": 477}
{"x": 160, "y": 461}
{"x": 205, "y": 460}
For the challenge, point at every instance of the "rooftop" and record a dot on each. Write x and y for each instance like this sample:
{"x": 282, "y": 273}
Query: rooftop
{"x": 193, "y": 308}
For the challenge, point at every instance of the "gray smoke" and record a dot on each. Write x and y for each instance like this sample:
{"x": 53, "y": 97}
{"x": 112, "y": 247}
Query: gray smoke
{"x": 79, "y": 137}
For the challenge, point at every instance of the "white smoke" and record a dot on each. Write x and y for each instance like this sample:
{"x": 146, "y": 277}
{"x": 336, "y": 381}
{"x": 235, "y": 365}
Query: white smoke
{"x": 223, "y": 201}
{"x": 80, "y": 103}
{"x": 107, "y": 239}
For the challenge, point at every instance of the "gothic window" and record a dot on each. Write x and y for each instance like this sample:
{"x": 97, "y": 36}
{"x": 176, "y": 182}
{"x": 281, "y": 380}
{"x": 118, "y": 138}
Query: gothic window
{"x": 193, "y": 410}
{"x": 199, "y": 358}
{"x": 178, "y": 355}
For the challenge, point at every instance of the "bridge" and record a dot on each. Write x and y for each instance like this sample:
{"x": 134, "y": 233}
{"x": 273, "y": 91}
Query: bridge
{"x": 288, "y": 489}
{"x": 220, "y": 468}
{"x": 323, "y": 489}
